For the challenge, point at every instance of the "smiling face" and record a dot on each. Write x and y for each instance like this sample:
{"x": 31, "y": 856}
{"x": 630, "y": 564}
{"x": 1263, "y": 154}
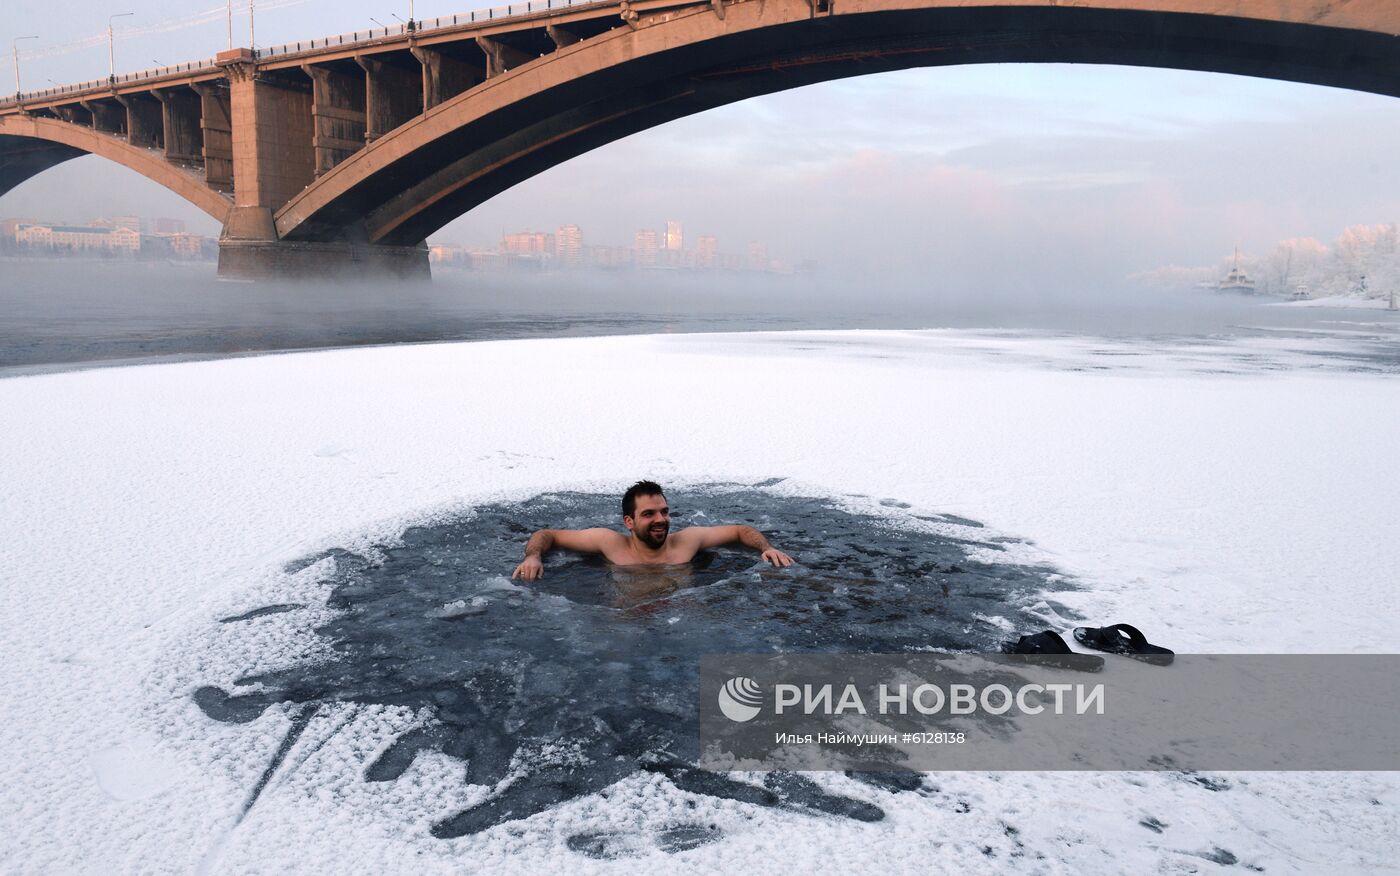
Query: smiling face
{"x": 650, "y": 521}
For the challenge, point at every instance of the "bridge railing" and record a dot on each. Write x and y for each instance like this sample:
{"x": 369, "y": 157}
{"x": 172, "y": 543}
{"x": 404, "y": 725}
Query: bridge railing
{"x": 205, "y": 66}
{"x": 495, "y": 13}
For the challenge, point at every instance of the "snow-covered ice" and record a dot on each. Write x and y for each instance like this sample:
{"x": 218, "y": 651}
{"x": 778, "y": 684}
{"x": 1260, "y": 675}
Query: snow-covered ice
{"x": 1236, "y": 496}
{"x": 1351, "y": 301}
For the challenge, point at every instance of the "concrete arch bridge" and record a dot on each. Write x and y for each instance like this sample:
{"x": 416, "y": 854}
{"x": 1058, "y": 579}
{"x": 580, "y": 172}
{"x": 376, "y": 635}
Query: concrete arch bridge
{"x": 346, "y": 152}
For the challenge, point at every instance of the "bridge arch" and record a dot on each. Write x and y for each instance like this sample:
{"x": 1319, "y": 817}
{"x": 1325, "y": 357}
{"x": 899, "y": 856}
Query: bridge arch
{"x": 517, "y": 124}
{"x": 30, "y": 145}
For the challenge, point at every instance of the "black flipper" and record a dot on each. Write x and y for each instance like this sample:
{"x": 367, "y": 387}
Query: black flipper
{"x": 1050, "y": 643}
{"x": 1123, "y": 639}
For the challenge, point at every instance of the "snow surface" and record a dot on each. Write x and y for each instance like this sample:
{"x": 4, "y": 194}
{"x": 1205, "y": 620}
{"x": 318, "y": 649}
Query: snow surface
{"x": 1337, "y": 301}
{"x": 1238, "y": 496}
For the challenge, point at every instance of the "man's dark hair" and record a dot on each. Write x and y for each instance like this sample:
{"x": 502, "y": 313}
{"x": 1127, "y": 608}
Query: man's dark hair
{"x": 640, "y": 488}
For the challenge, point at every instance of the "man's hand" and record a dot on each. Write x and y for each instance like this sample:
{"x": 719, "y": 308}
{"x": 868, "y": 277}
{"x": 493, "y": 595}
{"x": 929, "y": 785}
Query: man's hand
{"x": 777, "y": 557}
{"x": 529, "y": 570}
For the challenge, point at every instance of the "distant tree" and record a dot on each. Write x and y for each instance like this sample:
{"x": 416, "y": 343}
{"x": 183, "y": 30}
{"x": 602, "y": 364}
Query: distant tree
{"x": 1293, "y": 263}
{"x": 1175, "y": 277}
{"x": 1367, "y": 251}
{"x": 1384, "y": 274}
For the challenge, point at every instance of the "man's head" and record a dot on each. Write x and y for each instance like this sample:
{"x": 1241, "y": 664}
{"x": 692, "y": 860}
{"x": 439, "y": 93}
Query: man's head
{"x": 644, "y": 512}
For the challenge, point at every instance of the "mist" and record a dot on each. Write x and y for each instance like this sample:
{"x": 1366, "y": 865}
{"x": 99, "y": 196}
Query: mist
{"x": 62, "y": 314}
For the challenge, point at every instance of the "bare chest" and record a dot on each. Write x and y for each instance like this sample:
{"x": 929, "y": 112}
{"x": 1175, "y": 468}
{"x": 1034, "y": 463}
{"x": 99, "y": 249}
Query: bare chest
{"x": 674, "y": 554}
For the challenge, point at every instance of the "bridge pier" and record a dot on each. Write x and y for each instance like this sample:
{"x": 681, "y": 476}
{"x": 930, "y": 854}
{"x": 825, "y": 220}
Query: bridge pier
{"x": 298, "y": 260}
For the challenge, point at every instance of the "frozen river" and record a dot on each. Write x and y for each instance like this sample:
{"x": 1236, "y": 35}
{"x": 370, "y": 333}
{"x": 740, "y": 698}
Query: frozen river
{"x": 218, "y": 574}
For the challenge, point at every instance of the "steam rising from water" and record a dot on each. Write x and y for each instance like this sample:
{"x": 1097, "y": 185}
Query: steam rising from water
{"x": 60, "y": 313}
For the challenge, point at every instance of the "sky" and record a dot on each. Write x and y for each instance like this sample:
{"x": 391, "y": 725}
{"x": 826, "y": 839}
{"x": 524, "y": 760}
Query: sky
{"x": 998, "y": 175}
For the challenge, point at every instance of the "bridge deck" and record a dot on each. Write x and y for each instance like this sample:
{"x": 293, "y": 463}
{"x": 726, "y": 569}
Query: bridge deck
{"x": 1379, "y": 16}
{"x": 424, "y": 33}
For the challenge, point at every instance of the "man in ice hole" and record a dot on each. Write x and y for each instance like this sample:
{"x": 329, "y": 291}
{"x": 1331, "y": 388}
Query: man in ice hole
{"x": 648, "y": 520}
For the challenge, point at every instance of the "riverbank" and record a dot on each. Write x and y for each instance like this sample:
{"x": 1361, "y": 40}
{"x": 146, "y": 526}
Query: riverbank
{"x": 1338, "y": 301}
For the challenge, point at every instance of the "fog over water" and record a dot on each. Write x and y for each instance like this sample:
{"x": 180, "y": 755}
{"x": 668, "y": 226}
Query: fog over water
{"x": 60, "y": 314}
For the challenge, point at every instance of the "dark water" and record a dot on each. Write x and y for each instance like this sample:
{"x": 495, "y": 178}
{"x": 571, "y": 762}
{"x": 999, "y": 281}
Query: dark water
{"x": 62, "y": 314}
{"x": 559, "y": 688}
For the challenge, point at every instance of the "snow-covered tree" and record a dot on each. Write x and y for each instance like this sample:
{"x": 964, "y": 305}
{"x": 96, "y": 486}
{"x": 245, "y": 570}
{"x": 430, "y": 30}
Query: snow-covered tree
{"x": 1300, "y": 262}
{"x": 1364, "y": 262}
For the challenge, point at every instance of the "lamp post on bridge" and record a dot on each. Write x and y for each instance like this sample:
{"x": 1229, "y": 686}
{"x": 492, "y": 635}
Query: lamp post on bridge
{"x": 14, "y": 47}
{"x": 228, "y": 13}
{"x": 111, "y": 52}
{"x": 410, "y": 25}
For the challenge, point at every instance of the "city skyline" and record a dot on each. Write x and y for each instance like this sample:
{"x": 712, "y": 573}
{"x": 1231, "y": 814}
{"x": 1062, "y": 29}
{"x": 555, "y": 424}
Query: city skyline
{"x": 568, "y": 248}
{"x": 564, "y": 248}
{"x": 128, "y": 236}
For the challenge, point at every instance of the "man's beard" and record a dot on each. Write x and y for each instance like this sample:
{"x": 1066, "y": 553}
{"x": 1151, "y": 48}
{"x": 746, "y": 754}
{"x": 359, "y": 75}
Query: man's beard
{"x": 651, "y": 539}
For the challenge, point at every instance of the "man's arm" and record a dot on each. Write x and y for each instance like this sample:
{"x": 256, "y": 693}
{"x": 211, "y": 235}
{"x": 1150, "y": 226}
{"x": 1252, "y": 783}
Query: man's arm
{"x": 714, "y": 536}
{"x": 588, "y": 541}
